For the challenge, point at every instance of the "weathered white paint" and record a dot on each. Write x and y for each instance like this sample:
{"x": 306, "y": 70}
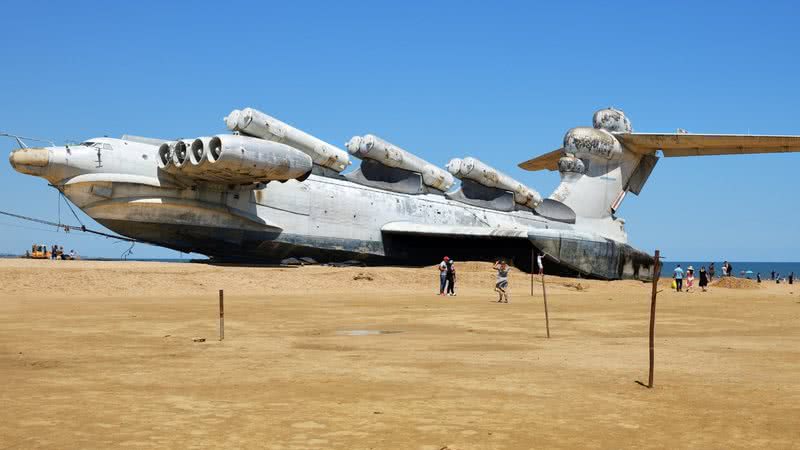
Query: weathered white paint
{"x": 372, "y": 147}
{"x": 256, "y": 123}
{"x": 480, "y": 172}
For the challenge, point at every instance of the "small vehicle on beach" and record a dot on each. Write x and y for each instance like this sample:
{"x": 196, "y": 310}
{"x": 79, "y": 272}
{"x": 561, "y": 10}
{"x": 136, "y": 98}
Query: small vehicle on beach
{"x": 38, "y": 251}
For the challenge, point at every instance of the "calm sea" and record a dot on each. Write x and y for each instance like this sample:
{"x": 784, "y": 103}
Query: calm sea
{"x": 784, "y": 268}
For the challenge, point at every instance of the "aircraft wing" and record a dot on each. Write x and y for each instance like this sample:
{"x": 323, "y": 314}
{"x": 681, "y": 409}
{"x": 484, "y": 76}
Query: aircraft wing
{"x": 689, "y": 144}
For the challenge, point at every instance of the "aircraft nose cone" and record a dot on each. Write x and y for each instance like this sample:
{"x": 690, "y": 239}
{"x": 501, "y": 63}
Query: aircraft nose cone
{"x": 27, "y": 158}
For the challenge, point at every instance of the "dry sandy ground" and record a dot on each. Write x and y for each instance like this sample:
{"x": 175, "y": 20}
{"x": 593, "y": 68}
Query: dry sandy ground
{"x": 100, "y": 355}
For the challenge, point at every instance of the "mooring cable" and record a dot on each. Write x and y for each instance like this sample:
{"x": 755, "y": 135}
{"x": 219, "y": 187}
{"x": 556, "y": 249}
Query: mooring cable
{"x": 68, "y": 227}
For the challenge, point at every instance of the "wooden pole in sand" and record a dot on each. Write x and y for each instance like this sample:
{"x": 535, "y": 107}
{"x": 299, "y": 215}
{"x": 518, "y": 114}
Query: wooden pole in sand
{"x": 656, "y": 275}
{"x": 533, "y": 264}
{"x": 544, "y": 294}
{"x": 221, "y": 316}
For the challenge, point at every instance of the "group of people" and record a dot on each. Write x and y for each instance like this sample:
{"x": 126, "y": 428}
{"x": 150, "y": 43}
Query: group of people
{"x": 704, "y": 276}
{"x": 776, "y": 277}
{"x": 447, "y": 277}
{"x": 57, "y": 252}
{"x": 678, "y": 276}
{"x": 727, "y": 269}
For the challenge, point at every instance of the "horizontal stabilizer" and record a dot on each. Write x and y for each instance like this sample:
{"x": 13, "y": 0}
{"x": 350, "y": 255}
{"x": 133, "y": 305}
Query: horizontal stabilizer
{"x": 547, "y": 161}
{"x": 688, "y": 144}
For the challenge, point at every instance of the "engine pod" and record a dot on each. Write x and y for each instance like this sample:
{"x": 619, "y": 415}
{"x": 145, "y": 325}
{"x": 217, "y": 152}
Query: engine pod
{"x": 256, "y": 123}
{"x": 377, "y": 149}
{"x": 584, "y": 142}
{"x": 612, "y": 120}
{"x": 475, "y": 170}
{"x": 570, "y": 164}
{"x": 236, "y": 159}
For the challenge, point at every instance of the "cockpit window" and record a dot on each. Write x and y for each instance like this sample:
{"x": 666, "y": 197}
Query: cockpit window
{"x": 100, "y": 145}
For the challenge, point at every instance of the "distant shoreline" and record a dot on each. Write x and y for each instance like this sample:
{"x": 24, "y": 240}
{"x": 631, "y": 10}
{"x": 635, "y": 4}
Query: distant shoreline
{"x": 763, "y": 267}
{"x": 175, "y": 260}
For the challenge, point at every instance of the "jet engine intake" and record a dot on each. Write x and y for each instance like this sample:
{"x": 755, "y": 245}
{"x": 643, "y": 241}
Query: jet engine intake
{"x": 472, "y": 169}
{"x": 375, "y": 148}
{"x": 165, "y": 152}
{"x": 255, "y": 123}
{"x": 180, "y": 153}
{"x": 234, "y": 159}
{"x": 198, "y": 151}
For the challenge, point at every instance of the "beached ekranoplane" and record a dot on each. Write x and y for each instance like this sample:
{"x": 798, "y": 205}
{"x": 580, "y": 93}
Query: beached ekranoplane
{"x": 267, "y": 191}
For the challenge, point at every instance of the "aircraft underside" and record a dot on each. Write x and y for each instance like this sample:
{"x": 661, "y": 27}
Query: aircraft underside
{"x": 573, "y": 258}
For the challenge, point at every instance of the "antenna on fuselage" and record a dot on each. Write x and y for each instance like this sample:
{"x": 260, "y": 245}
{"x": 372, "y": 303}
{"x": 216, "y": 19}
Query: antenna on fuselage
{"x": 22, "y": 144}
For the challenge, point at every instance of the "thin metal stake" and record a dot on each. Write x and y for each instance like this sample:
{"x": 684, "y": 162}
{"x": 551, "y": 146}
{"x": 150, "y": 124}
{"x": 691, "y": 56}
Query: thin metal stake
{"x": 221, "y": 316}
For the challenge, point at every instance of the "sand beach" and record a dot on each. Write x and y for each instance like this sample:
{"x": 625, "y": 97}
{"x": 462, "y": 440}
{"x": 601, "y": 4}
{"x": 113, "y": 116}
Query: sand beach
{"x": 103, "y": 355}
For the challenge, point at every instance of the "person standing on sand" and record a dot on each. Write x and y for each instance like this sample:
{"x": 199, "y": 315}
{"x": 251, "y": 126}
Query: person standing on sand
{"x": 791, "y": 278}
{"x": 730, "y": 269}
{"x": 689, "y": 278}
{"x": 677, "y": 275}
{"x": 501, "y": 287}
{"x": 703, "y": 278}
{"x": 451, "y": 278}
{"x": 443, "y": 275}
{"x": 772, "y": 275}
{"x": 758, "y": 277}
{"x": 711, "y": 271}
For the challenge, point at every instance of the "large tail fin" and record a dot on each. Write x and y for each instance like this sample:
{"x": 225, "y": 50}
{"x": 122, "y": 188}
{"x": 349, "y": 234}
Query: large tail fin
{"x": 599, "y": 165}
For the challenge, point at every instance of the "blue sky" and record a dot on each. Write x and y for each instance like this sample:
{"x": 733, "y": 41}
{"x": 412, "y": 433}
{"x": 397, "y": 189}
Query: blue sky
{"x": 501, "y": 81}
